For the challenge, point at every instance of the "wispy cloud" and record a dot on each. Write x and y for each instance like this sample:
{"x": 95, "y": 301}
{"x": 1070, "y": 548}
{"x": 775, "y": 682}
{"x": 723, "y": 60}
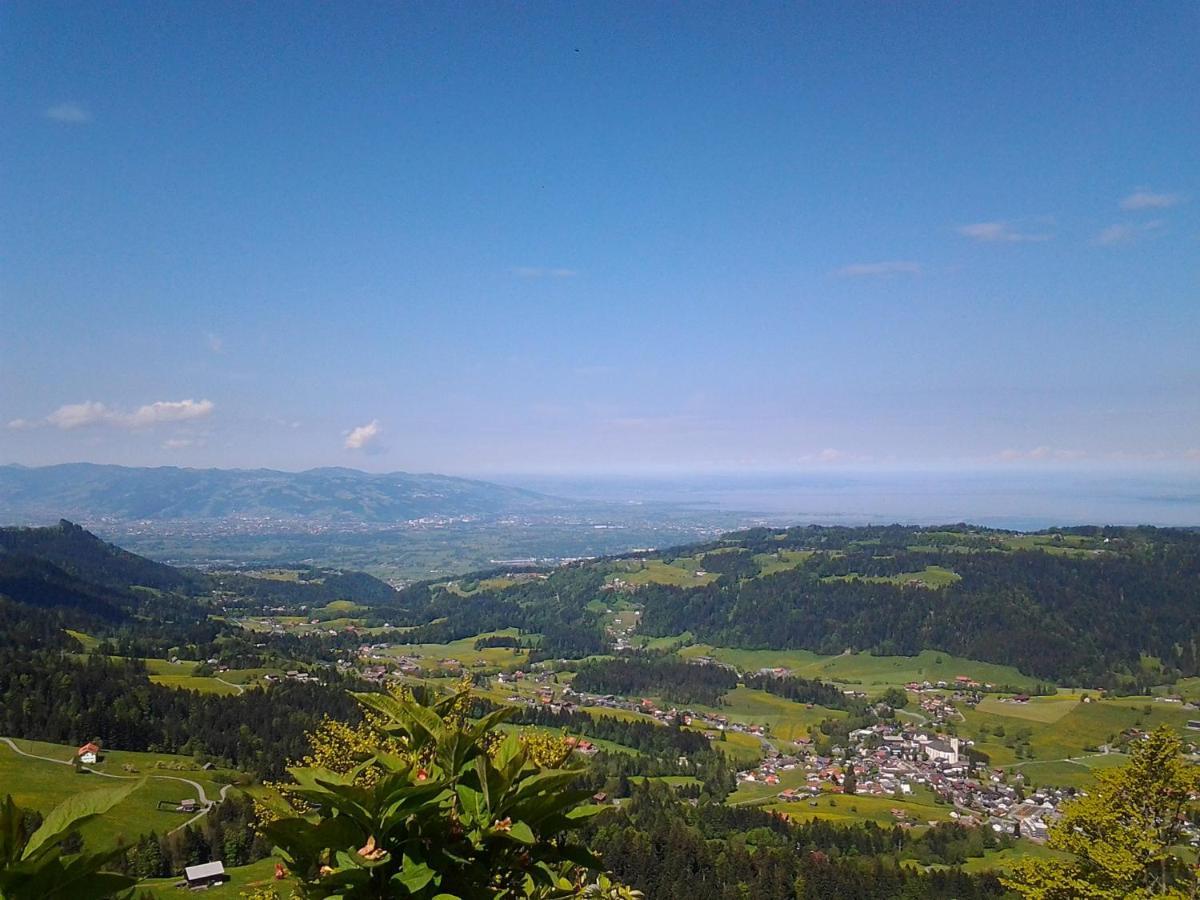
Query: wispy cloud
{"x": 887, "y": 269}
{"x": 214, "y": 342}
{"x": 1148, "y": 200}
{"x": 362, "y": 436}
{"x": 1123, "y": 233}
{"x": 542, "y": 272}
{"x": 1040, "y": 454}
{"x": 1000, "y": 232}
{"x": 177, "y": 443}
{"x": 68, "y": 114}
{"x": 81, "y": 415}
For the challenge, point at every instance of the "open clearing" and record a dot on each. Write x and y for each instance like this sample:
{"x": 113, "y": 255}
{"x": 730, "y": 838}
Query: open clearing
{"x": 866, "y": 670}
{"x": 42, "y": 785}
{"x": 242, "y": 880}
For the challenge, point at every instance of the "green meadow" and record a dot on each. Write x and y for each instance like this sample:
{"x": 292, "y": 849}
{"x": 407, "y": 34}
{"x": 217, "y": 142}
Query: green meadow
{"x": 464, "y": 651}
{"x": 864, "y": 670}
{"x": 243, "y": 880}
{"x": 920, "y": 809}
{"x": 42, "y": 785}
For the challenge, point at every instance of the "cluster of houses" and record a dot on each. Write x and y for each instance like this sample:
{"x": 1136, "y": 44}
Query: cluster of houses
{"x": 890, "y": 761}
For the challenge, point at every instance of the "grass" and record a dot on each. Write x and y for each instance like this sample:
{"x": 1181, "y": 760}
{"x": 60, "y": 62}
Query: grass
{"x": 781, "y": 561}
{"x": 241, "y": 880}
{"x": 464, "y": 651}
{"x": 42, "y": 785}
{"x": 1064, "y": 728}
{"x": 1002, "y": 860}
{"x": 870, "y": 673}
{"x": 89, "y": 643}
{"x": 680, "y": 573}
{"x": 932, "y": 577}
{"x": 1038, "y": 709}
{"x": 860, "y": 808}
{"x": 194, "y": 683}
{"x": 739, "y": 747}
{"x": 785, "y": 719}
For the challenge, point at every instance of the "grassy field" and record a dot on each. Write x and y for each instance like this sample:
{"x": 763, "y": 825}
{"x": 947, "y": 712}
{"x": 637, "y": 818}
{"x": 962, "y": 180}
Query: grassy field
{"x": 464, "y": 651}
{"x": 847, "y": 810}
{"x": 42, "y": 785}
{"x": 780, "y": 561}
{"x": 932, "y": 577}
{"x": 680, "y": 572}
{"x": 786, "y": 719}
{"x": 742, "y": 749}
{"x": 1064, "y": 728}
{"x": 242, "y": 880}
{"x": 1038, "y": 709}
{"x": 868, "y": 672}
{"x": 89, "y": 643}
{"x": 194, "y": 683}
{"x": 1002, "y": 860}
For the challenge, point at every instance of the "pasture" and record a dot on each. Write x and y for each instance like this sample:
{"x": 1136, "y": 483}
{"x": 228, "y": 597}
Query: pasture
{"x": 243, "y": 880}
{"x": 846, "y": 810}
{"x": 42, "y": 785}
{"x": 864, "y": 670}
{"x": 432, "y": 655}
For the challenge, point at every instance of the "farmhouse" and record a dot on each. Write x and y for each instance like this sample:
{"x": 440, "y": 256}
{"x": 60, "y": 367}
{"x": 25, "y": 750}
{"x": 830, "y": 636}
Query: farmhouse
{"x": 88, "y": 753}
{"x": 204, "y": 875}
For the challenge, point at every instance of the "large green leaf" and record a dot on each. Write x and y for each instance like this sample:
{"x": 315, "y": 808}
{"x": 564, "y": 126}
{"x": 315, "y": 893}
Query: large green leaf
{"x": 76, "y": 810}
{"x": 413, "y": 876}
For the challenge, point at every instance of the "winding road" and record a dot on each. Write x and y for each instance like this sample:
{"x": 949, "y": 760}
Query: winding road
{"x": 201, "y": 795}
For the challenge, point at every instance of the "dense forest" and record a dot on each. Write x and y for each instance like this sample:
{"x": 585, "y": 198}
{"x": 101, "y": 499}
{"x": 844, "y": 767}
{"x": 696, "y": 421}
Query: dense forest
{"x": 50, "y": 696}
{"x": 671, "y": 678}
{"x": 673, "y": 850}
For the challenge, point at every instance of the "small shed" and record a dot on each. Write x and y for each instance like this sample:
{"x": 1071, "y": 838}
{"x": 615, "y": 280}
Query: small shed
{"x": 206, "y": 874}
{"x": 88, "y": 753}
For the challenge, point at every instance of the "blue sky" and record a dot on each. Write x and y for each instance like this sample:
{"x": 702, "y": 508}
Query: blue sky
{"x": 601, "y": 237}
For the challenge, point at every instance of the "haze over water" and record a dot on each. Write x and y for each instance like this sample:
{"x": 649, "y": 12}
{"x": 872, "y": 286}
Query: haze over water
{"x": 1017, "y": 500}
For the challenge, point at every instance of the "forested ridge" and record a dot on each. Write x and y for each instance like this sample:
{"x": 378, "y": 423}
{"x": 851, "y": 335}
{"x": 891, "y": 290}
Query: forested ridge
{"x": 1058, "y": 617}
{"x": 1082, "y": 606}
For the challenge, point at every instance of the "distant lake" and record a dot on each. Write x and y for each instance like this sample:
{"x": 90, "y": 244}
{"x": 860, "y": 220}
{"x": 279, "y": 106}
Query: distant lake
{"x": 1017, "y": 500}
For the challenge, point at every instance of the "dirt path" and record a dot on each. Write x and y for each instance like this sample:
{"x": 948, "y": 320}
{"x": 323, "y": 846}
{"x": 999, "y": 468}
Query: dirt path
{"x": 201, "y": 795}
{"x": 239, "y": 688}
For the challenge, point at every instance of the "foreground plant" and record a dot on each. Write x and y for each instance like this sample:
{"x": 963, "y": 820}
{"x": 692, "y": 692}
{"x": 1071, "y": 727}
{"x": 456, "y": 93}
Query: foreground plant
{"x": 36, "y": 867}
{"x": 444, "y": 807}
{"x": 1123, "y": 837}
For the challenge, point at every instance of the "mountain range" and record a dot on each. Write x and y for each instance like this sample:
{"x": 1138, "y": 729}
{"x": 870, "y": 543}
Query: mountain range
{"x": 85, "y": 491}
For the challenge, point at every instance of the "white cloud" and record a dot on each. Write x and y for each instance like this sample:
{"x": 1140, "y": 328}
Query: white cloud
{"x": 358, "y": 438}
{"x": 80, "y": 415}
{"x": 177, "y": 443}
{"x": 167, "y": 411}
{"x": 77, "y": 415}
{"x": 999, "y": 232}
{"x": 885, "y": 269}
{"x": 542, "y": 272}
{"x": 68, "y": 114}
{"x": 214, "y": 341}
{"x": 1123, "y": 233}
{"x": 1148, "y": 200}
